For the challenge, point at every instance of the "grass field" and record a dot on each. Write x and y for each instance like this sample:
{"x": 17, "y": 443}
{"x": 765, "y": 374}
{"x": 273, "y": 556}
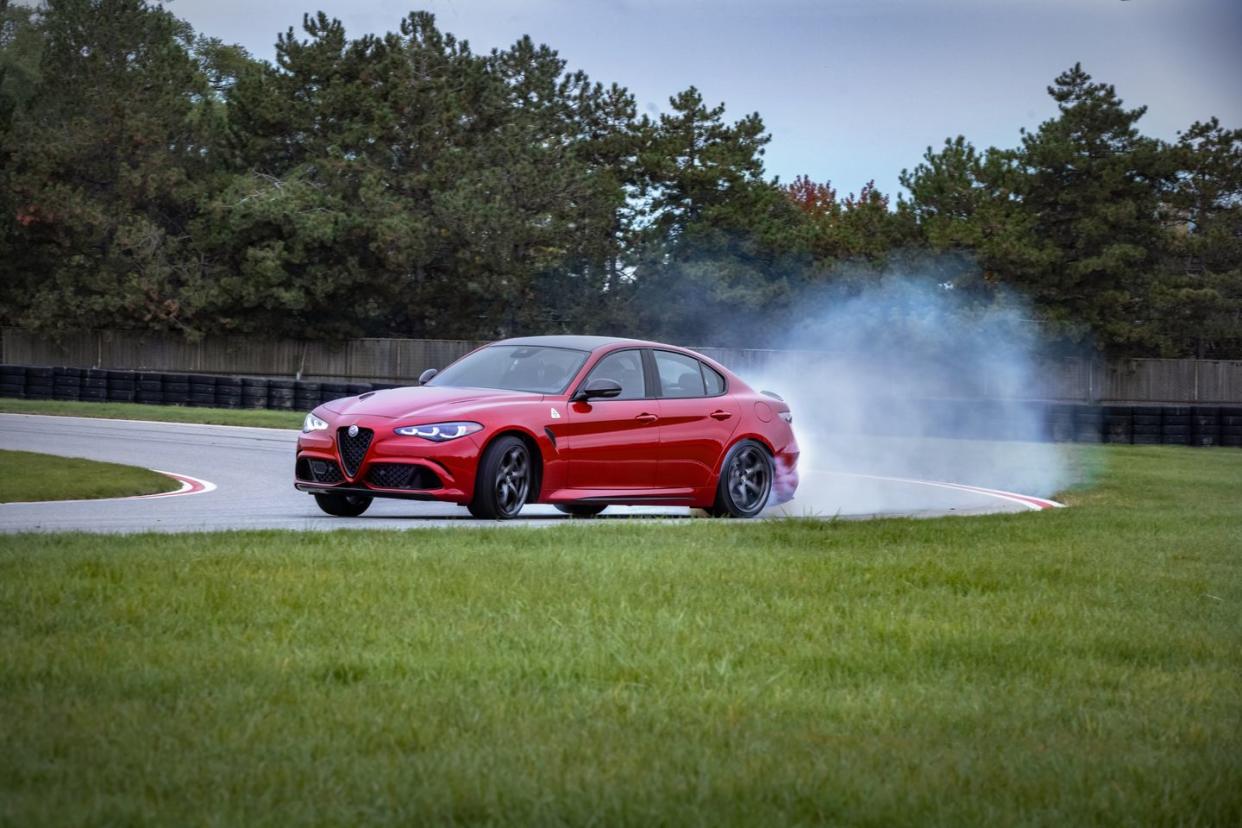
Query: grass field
{"x": 27, "y": 476}
{"x": 1071, "y": 667}
{"x": 260, "y": 418}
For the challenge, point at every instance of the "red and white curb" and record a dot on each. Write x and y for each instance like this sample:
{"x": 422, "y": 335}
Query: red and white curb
{"x": 189, "y": 486}
{"x": 1029, "y": 501}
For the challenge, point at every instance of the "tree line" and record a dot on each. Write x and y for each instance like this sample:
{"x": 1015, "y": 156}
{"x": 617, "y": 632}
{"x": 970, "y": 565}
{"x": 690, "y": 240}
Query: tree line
{"x": 405, "y": 185}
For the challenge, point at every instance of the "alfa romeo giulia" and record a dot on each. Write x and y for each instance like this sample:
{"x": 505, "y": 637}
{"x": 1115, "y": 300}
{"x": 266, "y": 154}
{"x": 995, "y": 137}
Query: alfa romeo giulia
{"x": 580, "y": 422}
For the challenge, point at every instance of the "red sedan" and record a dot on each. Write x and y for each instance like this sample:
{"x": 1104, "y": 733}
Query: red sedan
{"x": 580, "y": 422}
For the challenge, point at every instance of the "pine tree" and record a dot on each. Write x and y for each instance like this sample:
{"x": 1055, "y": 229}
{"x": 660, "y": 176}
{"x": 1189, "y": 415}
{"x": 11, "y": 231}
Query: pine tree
{"x": 105, "y": 159}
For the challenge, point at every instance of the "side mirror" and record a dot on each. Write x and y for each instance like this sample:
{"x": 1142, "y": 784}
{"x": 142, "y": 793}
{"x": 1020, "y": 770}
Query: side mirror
{"x": 426, "y": 376}
{"x": 598, "y": 389}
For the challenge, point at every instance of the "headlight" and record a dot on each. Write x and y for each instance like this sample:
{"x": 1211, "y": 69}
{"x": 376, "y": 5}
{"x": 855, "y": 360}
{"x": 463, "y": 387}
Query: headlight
{"x": 313, "y": 423}
{"x": 439, "y": 432}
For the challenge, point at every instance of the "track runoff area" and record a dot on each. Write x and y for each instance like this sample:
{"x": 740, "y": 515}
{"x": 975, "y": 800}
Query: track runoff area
{"x": 240, "y": 478}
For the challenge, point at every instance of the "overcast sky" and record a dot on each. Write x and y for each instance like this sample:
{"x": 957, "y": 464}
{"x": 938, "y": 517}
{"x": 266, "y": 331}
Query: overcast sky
{"x": 849, "y": 89}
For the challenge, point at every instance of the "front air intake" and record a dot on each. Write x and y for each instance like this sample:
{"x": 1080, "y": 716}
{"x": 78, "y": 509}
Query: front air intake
{"x": 402, "y": 476}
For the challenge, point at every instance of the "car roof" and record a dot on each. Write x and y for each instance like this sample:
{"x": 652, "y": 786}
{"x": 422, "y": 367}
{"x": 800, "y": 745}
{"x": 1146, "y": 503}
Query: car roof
{"x": 582, "y": 343}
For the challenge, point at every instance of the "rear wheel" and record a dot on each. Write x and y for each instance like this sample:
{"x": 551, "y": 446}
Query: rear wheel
{"x": 745, "y": 481}
{"x": 343, "y": 505}
{"x": 582, "y": 510}
{"x": 503, "y": 483}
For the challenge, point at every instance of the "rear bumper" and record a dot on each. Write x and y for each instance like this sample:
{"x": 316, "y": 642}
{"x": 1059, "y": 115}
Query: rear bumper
{"x": 785, "y": 484}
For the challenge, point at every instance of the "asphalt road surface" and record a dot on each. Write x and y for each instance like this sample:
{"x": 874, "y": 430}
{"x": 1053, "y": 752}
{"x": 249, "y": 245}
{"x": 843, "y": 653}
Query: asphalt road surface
{"x": 244, "y": 480}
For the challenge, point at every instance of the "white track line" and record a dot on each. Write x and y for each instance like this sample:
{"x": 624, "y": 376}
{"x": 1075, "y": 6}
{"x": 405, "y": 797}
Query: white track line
{"x": 1029, "y": 501}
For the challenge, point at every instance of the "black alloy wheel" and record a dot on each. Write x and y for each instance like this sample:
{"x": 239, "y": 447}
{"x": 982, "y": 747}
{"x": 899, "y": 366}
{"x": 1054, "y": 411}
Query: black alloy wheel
{"x": 745, "y": 481}
{"x": 504, "y": 481}
{"x": 581, "y": 510}
{"x": 343, "y": 505}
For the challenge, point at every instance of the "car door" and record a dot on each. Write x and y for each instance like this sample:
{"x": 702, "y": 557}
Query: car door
{"x": 614, "y": 443}
{"x": 697, "y": 418}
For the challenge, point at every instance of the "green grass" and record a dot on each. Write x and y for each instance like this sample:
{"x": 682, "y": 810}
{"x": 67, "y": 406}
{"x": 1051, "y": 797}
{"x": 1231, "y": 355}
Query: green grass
{"x": 260, "y": 418}
{"x": 1069, "y": 667}
{"x": 25, "y": 476}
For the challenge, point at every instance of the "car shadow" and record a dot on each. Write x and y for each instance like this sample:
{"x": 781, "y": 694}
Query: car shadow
{"x": 519, "y": 519}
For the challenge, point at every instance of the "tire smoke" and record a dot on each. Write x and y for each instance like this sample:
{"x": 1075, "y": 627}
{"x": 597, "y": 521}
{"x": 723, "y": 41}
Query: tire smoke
{"x": 911, "y": 379}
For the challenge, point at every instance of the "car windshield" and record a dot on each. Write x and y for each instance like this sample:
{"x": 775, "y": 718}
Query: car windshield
{"x": 534, "y": 368}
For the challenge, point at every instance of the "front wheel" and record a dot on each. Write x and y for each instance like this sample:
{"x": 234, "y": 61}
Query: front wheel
{"x": 503, "y": 483}
{"x": 343, "y": 505}
{"x": 745, "y": 481}
{"x": 582, "y": 510}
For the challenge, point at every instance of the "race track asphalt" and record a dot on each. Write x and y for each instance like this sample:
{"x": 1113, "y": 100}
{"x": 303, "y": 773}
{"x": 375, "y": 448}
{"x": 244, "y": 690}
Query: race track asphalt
{"x": 252, "y": 473}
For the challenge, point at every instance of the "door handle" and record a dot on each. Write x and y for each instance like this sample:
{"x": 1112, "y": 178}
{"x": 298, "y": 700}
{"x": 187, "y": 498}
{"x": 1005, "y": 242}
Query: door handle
{"x": 721, "y": 415}
{"x": 646, "y": 418}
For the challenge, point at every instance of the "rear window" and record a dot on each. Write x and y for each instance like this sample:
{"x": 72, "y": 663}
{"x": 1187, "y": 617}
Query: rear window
{"x": 680, "y": 375}
{"x": 713, "y": 380}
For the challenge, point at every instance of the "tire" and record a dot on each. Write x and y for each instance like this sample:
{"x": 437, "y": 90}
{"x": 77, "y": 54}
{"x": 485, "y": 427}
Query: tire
{"x": 343, "y": 505}
{"x": 333, "y": 390}
{"x": 1175, "y": 435}
{"x": 581, "y": 510}
{"x": 505, "y": 479}
{"x": 745, "y": 481}
{"x": 280, "y": 394}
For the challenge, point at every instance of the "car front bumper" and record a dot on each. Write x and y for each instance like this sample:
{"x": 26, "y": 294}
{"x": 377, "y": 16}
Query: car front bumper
{"x": 394, "y": 466}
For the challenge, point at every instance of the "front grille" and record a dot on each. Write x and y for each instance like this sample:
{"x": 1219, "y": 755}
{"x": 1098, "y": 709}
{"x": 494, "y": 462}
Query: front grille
{"x": 402, "y": 476}
{"x": 353, "y": 449}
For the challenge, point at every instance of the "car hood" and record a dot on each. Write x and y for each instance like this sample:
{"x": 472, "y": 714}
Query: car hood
{"x": 403, "y": 403}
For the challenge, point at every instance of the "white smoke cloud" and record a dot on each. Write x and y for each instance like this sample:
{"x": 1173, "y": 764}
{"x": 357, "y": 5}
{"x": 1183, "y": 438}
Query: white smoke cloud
{"x": 907, "y": 378}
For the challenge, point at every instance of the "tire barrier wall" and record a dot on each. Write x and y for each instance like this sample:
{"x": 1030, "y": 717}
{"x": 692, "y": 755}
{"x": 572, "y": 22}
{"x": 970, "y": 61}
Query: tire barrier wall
{"x": 1090, "y": 381}
{"x": 1181, "y": 425}
{"x": 151, "y": 388}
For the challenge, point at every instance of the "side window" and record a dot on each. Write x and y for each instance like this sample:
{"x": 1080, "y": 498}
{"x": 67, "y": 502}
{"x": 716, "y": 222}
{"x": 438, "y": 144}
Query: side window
{"x": 626, "y": 368}
{"x": 715, "y": 382}
{"x": 679, "y": 375}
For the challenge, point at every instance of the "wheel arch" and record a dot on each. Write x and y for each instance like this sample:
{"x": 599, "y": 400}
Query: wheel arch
{"x": 739, "y": 438}
{"x": 531, "y": 443}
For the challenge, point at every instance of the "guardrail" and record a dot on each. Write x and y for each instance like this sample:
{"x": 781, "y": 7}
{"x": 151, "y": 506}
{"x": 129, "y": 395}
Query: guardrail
{"x": 981, "y": 419}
